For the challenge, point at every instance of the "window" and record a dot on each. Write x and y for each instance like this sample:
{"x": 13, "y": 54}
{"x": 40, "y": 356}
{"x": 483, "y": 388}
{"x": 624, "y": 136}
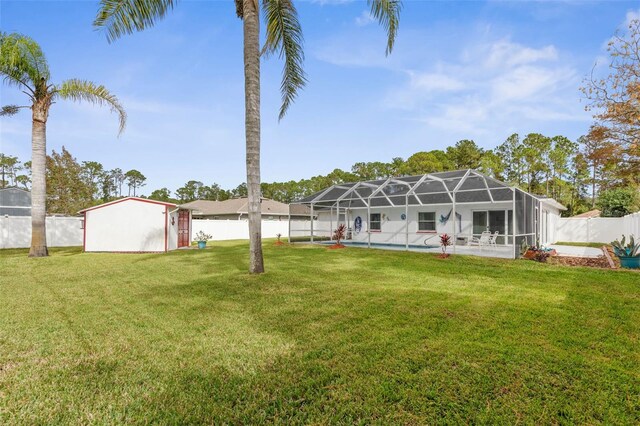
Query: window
{"x": 375, "y": 223}
{"x": 427, "y": 221}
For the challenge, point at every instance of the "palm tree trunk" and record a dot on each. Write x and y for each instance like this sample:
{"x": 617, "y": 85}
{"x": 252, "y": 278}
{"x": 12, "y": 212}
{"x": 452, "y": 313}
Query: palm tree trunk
{"x": 251, "y": 27}
{"x": 38, "y": 182}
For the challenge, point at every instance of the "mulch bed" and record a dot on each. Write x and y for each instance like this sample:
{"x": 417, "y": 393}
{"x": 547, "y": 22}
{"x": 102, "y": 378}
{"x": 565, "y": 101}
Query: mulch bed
{"x": 608, "y": 262}
{"x": 336, "y": 246}
{"x": 594, "y": 262}
{"x": 278, "y": 243}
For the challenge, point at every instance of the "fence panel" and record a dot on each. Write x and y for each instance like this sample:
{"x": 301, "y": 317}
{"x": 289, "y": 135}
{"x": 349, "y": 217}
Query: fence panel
{"x": 15, "y": 231}
{"x": 597, "y": 229}
{"x": 239, "y": 229}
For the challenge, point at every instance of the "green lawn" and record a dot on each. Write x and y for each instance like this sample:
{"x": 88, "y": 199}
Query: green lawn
{"x": 593, "y": 245}
{"x": 325, "y": 336}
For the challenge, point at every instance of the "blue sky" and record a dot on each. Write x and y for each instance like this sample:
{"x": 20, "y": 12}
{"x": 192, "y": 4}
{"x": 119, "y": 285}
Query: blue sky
{"x": 473, "y": 69}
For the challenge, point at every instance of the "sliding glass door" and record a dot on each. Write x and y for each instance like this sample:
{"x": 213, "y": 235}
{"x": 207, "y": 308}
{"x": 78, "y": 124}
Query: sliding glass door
{"x": 500, "y": 221}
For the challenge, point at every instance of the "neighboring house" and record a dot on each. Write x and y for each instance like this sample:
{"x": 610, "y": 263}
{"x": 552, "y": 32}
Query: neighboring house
{"x": 236, "y": 209}
{"x": 413, "y": 211}
{"x": 134, "y": 224}
{"x": 15, "y": 202}
{"x": 587, "y": 215}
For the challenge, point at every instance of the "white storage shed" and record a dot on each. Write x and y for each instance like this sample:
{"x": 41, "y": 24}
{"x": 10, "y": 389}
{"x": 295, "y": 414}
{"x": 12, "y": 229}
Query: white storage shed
{"x": 136, "y": 225}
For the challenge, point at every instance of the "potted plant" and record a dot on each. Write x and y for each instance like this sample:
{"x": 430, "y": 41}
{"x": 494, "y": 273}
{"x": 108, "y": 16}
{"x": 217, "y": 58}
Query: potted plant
{"x": 338, "y": 235}
{"x": 202, "y": 239}
{"x": 537, "y": 253}
{"x": 629, "y": 254}
{"x": 445, "y": 241}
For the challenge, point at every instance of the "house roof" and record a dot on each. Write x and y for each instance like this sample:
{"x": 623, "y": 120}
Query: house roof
{"x": 588, "y": 215}
{"x": 15, "y": 197}
{"x": 239, "y": 206}
{"x": 553, "y": 203}
{"x": 120, "y": 200}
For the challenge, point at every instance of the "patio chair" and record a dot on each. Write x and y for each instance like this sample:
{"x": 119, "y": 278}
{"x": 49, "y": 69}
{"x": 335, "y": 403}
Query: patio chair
{"x": 493, "y": 239}
{"x": 484, "y": 240}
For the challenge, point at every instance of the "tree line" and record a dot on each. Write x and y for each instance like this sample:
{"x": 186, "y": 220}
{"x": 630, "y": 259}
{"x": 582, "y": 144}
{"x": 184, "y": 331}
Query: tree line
{"x": 583, "y": 174}
{"x": 72, "y": 185}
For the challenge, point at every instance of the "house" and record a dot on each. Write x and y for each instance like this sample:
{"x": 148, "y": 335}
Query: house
{"x": 550, "y": 212}
{"x": 588, "y": 215}
{"x": 237, "y": 209}
{"x": 412, "y": 212}
{"x": 134, "y": 224}
{"x": 15, "y": 202}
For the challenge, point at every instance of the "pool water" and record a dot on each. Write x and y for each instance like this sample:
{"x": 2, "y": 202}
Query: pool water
{"x": 383, "y": 245}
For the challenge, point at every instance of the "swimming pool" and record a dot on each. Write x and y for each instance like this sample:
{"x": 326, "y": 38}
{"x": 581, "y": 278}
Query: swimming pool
{"x": 384, "y": 245}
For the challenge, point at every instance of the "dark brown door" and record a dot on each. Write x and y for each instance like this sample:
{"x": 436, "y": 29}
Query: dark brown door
{"x": 183, "y": 228}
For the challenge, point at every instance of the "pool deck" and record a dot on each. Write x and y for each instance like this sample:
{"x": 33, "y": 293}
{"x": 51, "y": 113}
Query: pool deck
{"x": 501, "y": 251}
{"x": 574, "y": 251}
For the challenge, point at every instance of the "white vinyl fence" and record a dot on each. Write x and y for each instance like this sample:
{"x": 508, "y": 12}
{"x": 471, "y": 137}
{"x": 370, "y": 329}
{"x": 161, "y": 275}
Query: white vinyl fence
{"x": 239, "y": 229}
{"x": 597, "y": 229}
{"x": 15, "y": 231}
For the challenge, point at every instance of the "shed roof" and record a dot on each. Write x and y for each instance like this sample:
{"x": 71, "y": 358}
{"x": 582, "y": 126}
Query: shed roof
{"x": 120, "y": 200}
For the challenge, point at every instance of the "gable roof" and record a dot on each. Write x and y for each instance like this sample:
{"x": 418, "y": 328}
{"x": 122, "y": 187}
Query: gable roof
{"x": 15, "y": 197}
{"x": 120, "y": 200}
{"x": 237, "y": 206}
{"x": 588, "y": 215}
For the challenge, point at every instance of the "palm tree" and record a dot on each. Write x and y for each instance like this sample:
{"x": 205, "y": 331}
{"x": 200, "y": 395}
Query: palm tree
{"x": 22, "y": 64}
{"x": 284, "y": 37}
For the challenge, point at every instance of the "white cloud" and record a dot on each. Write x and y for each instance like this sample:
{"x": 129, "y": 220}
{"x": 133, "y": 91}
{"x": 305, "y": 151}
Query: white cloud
{"x": 632, "y": 15}
{"x": 529, "y": 83}
{"x": 492, "y": 87}
{"x": 364, "y": 18}
{"x": 434, "y": 82}
{"x": 504, "y": 53}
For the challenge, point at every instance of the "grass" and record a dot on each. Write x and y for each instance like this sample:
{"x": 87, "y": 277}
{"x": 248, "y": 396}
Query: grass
{"x": 325, "y": 336}
{"x": 593, "y": 245}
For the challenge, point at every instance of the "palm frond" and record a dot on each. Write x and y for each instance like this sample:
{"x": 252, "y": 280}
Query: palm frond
{"x": 8, "y": 110}
{"x": 22, "y": 61}
{"x": 284, "y": 35}
{"x": 121, "y": 17}
{"x": 387, "y": 13}
{"x": 82, "y": 90}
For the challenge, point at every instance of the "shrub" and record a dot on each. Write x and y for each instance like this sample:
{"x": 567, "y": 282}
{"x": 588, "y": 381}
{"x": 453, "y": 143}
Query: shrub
{"x": 445, "y": 241}
{"x": 339, "y": 233}
{"x": 618, "y": 202}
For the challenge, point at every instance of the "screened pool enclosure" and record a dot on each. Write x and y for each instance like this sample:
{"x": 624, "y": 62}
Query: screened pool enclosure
{"x": 481, "y": 214}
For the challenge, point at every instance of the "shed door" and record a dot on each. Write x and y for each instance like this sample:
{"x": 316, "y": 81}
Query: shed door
{"x": 183, "y": 228}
